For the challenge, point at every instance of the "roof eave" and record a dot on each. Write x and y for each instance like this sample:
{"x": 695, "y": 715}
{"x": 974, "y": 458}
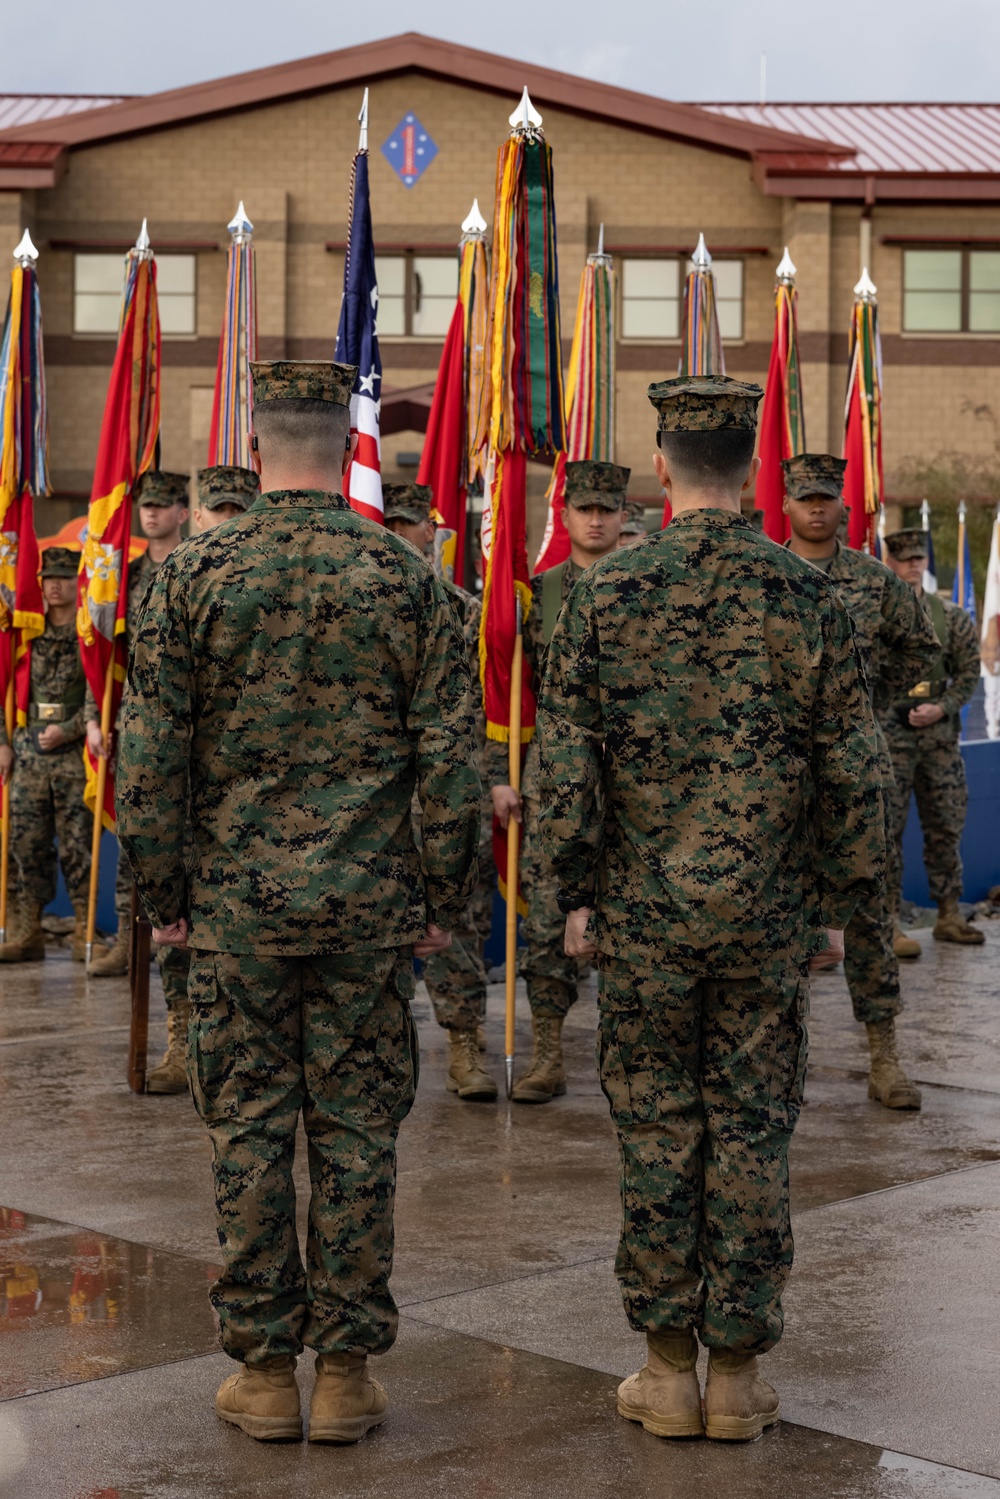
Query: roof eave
{"x": 878, "y": 187}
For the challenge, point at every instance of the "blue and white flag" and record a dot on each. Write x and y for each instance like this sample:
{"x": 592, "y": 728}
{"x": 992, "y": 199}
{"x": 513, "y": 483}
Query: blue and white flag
{"x": 968, "y": 587}
{"x": 357, "y": 343}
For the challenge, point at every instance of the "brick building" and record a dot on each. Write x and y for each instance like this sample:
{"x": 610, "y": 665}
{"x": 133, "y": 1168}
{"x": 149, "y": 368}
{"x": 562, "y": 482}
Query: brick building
{"x": 912, "y": 190}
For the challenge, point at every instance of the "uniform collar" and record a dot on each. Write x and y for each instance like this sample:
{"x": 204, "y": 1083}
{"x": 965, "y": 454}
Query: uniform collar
{"x": 300, "y": 499}
{"x": 709, "y": 519}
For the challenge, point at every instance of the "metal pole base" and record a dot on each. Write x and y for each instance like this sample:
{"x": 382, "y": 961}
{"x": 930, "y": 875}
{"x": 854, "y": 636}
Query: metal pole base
{"x": 87, "y": 958}
{"x": 509, "y": 1070}
{"x": 3, "y": 935}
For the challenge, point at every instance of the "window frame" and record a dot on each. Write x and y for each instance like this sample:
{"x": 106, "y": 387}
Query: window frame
{"x": 409, "y": 256}
{"x": 965, "y": 253}
{"x": 120, "y": 256}
{"x": 681, "y": 261}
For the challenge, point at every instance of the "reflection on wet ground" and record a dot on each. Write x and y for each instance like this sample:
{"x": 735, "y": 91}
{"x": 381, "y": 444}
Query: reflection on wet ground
{"x": 512, "y": 1335}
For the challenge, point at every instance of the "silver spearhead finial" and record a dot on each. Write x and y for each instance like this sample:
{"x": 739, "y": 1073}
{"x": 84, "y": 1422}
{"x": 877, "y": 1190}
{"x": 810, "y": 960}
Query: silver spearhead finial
{"x": 701, "y": 260}
{"x": 474, "y": 223}
{"x": 25, "y": 254}
{"x": 866, "y": 290}
{"x": 142, "y": 245}
{"x": 363, "y": 122}
{"x": 526, "y": 120}
{"x": 786, "y": 271}
{"x": 925, "y": 516}
{"x": 240, "y": 226}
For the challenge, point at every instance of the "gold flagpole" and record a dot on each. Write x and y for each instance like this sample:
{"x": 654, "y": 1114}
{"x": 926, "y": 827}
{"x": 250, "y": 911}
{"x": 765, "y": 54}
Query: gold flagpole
{"x": 513, "y": 846}
{"x": 961, "y": 554}
{"x": 102, "y": 782}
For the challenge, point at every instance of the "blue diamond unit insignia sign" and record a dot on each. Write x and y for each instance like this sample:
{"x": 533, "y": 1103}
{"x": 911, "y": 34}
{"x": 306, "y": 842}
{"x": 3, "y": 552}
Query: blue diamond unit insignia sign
{"x": 409, "y": 150}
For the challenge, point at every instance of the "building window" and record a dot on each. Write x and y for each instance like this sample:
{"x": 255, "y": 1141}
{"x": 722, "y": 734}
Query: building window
{"x": 951, "y": 291}
{"x": 653, "y": 295}
{"x": 97, "y": 293}
{"x": 416, "y": 294}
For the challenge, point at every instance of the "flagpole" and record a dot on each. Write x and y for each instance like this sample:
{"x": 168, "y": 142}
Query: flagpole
{"x": 102, "y": 783}
{"x": 513, "y": 844}
{"x": 8, "y": 713}
{"x": 961, "y": 554}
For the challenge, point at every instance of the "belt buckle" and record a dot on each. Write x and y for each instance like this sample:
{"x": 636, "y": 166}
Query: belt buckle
{"x": 49, "y": 712}
{"x": 922, "y": 689}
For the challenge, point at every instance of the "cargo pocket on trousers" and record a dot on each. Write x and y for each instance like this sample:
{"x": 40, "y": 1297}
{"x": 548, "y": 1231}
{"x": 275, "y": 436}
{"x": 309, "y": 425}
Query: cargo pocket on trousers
{"x": 396, "y": 1054}
{"x": 625, "y": 1065}
{"x": 791, "y": 1051}
{"x": 212, "y": 1046}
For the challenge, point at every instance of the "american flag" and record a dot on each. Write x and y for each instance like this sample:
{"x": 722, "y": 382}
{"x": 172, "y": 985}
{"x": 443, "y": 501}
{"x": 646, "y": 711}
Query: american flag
{"x": 357, "y": 343}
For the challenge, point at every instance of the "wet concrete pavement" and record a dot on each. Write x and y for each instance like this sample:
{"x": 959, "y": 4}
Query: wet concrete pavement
{"x": 512, "y": 1336}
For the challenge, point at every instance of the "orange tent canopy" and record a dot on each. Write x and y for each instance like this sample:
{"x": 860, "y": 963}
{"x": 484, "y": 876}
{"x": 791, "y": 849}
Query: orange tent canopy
{"x": 70, "y": 536}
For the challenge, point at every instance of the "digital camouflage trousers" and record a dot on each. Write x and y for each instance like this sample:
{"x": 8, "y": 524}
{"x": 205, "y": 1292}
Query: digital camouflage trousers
{"x": 332, "y": 1039}
{"x": 46, "y": 804}
{"x": 704, "y": 1078}
{"x": 870, "y": 963}
{"x": 456, "y": 978}
{"x": 552, "y": 979}
{"x": 928, "y": 763}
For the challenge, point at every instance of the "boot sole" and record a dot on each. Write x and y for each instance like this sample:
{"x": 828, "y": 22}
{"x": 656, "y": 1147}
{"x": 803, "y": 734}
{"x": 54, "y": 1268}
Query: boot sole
{"x": 961, "y": 941}
{"x": 911, "y": 1101}
{"x": 663, "y": 1426}
{"x": 533, "y": 1097}
{"x": 739, "y": 1428}
{"x": 163, "y": 1090}
{"x": 907, "y": 957}
{"x": 473, "y": 1095}
{"x": 351, "y": 1429}
{"x": 264, "y": 1428}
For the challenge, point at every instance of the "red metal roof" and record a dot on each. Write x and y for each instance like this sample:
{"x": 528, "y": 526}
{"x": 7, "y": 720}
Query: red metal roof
{"x": 28, "y": 109}
{"x": 924, "y": 138}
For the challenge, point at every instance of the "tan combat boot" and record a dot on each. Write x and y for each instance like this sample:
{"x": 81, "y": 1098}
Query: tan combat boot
{"x": 346, "y": 1402}
{"x": 887, "y": 1081}
{"x": 27, "y": 944}
{"x": 466, "y": 1075}
{"x": 665, "y": 1396}
{"x": 114, "y": 962}
{"x": 78, "y": 941}
{"x": 545, "y": 1079}
{"x": 951, "y": 925}
{"x": 263, "y": 1401}
{"x": 902, "y": 945}
{"x": 171, "y": 1075}
{"x": 738, "y": 1403}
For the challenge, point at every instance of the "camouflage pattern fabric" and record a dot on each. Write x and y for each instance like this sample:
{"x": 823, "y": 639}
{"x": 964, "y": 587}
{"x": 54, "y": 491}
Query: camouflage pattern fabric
{"x": 302, "y": 380}
{"x": 705, "y": 403}
{"x": 709, "y": 788}
{"x": 158, "y": 487}
{"x": 46, "y": 791}
{"x": 813, "y": 473}
{"x": 634, "y": 523}
{"x": 409, "y": 502}
{"x": 286, "y": 696}
{"x": 708, "y": 777}
{"x": 905, "y": 545}
{"x": 897, "y": 646}
{"x": 60, "y": 562}
{"x": 333, "y": 1037}
{"x": 588, "y": 482}
{"x": 227, "y": 484}
{"x": 928, "y": 764}
{"x": 704, "y": 1078}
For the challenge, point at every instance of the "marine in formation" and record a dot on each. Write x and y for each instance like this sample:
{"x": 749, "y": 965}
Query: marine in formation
{"x": 711, "y": 807}
{"x": 296, "y": 676}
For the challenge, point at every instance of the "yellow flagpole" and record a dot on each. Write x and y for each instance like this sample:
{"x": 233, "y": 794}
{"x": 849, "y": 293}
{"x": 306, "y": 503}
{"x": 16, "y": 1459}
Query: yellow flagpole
{"x": 102, "y": 782}
{"x": 513, "y": 847}
{"x": 961, "y": 554}
{"x": 8, "y": 713}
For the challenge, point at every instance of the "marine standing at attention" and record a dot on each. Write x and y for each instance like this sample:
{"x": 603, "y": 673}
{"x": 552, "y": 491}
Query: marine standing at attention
{"x": 897, "y": 647}
{"x": 46, "y": 794}
{"x": 456, "y": 978}
{"x": 922, "y": 731}
{"x": 592, "y": 515}
{"x": 224, "y": 492}
{"x": 295, "y": 676}
{"x": 710, "y": 796}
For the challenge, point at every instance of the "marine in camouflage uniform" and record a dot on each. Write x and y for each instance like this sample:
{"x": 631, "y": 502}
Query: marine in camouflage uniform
{"x": 551, "y": 977}
{"x": 897, "y": 647}
{"x": 633, "y": 524}
{"x": 46, "y": 794}
{"x": 159, "y": 489}
{"x": 295, "y": 676}
{"x": 224, "y": 491}
{"x": 926, "y": 758}
{"x": 456, "y": 978}
{"x": 711, "y": 800}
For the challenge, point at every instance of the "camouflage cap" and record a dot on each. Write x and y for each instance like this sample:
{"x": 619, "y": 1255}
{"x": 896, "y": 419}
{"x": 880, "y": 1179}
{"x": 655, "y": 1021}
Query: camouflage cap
{"x": 60, "y": 562}
{"x": 157, "y": 487}
{"x": 634, "y": 523}
{"x": 902, "y": 546}
{"x": 410, "y": 502}
{"x": 589, "y": 482}
{"x": 302, "y": 380}
{"x": 814, "y": 473}
{"x": 705, "y": 403}
{"x": 227, "y": 484}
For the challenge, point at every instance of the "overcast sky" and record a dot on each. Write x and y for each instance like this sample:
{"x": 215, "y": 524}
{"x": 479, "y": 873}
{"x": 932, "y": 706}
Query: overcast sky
{"x": 700, "y": 49}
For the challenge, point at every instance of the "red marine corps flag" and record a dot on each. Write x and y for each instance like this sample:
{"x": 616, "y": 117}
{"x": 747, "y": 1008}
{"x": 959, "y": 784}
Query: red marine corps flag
{"x": 357, "y": 340}
{"x": 127, "y": 444}
{"x": 782, "y": 423}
